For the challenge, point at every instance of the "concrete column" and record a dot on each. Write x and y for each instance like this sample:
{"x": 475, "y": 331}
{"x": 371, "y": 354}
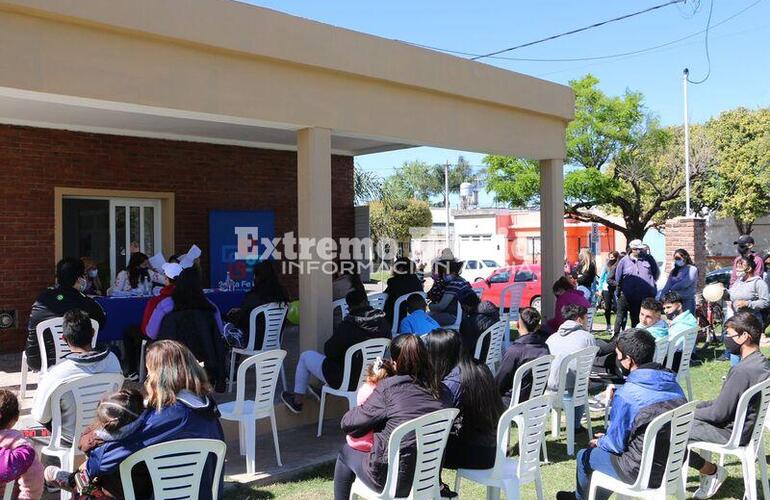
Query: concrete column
{"x": 551, "y": 230}
{"x": 314, "y": 213}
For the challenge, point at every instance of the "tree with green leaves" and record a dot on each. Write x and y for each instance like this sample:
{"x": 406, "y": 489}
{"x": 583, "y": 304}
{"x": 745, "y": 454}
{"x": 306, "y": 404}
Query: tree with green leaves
{"x": 620, "y": 164}
{"x": 393, "y": 218}
{"x": 420, "y": 180}
{"x": 739, "y": 186}
{"x": 367, "y": 186}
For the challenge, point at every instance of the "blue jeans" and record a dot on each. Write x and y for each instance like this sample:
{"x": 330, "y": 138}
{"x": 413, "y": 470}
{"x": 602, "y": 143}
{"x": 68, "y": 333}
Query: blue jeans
{"x": 588, "y": 461}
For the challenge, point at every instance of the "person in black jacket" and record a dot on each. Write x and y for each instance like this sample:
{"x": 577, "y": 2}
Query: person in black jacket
{"x": 194, "y": 323}
{"x": 403, "y": 281}
{"x": 362, "y": 323}
{"x": 714, "y": 419}
{"x": 411, "y": 393}
{"x": 530, "y": 345}
{"x": 477, "y": 317}
{"x": 54, "y": 302}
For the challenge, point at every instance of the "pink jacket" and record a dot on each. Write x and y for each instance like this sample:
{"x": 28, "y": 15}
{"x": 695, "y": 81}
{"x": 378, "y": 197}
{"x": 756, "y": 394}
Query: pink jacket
{"x": 365, "y": 442}
{"x": 566, "y": 298}
{"x": 19, "y": 462}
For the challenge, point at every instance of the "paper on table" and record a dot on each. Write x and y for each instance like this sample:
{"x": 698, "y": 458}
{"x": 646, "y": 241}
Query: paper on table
{"x": 157, "y": 261}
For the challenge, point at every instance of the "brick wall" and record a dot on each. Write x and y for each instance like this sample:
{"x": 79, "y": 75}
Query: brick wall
{"x": 203, "y": 177}
{"x": 687, "y": 233}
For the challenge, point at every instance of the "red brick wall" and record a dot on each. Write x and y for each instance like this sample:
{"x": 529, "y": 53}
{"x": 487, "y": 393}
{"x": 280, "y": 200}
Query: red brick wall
{"x": 203, "y": 177}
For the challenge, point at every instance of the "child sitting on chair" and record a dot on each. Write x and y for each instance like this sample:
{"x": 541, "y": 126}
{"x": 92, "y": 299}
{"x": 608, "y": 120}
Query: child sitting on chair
{"x": 377, "y": 371}
{"x": 114, "y": 418}
{"x": 18, "y": 461}
{"x": 417, "y": 321}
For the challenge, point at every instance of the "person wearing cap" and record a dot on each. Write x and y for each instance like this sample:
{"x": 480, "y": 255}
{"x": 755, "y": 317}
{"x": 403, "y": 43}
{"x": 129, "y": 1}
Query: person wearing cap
{"x": 745, "y": 246}
{"x": 456, "y": 289}
{"x": 635, "y": 274}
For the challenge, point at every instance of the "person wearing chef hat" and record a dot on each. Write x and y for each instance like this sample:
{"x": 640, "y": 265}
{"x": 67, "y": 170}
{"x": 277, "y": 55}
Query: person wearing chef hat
{"x": 170, "y": 271}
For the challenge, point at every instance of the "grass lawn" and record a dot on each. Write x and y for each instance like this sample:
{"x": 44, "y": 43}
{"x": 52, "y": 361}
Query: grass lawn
{"x": 557, "y": 475}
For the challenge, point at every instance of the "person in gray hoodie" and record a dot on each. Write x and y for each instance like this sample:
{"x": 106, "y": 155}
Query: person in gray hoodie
{"x": 571, "y": 336}
{"x": 749, "y": 292}
{"x": 84, "y": 360}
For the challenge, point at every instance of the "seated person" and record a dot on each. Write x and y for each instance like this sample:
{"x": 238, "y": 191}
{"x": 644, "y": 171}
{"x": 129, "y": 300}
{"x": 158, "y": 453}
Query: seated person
{"x": 606, "y": 366}
{"x": 347, "y": 280}
{"x": 54, "y": 302}
{"x": 82, "y": 362}
{"x": 566, "y": 294}
{"x": 417, "y": 321}
{"x": 478, "y": 316}
{"x": 530, "y": 345}
{"x": 403, "y": 280}
{"x": 714, "y": 419}
{"x": 649, "y": 391}
{"x": 93, "y": 284}
{"x": 190, "y": 318}
{"x": 569, "y": 338}
{"x": 456, "y": 289}
{"x": 362, "y": 323}
{"x": 136, "y": 274}
{"x": 18, "y": 461}
{"x": 679, "y": 320}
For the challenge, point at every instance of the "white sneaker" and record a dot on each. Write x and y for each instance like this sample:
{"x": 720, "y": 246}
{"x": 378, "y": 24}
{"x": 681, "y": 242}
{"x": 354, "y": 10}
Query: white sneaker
{"x": 710, "y": 484}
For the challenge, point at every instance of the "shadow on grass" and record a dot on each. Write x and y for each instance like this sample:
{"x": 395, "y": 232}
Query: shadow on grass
{"x": 293, "y": 488}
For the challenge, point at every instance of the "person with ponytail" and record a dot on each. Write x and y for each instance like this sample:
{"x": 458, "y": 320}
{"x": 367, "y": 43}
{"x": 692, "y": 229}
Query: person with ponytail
{"x": 412, "y": 392}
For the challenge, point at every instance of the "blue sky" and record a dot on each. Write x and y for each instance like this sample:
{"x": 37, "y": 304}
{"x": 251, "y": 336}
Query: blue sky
{"x": 740, "y": 48}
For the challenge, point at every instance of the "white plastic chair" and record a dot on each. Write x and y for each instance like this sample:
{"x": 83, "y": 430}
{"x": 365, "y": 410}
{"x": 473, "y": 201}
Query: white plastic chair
{"x": 8, "y": 495}
{"x": 582, "y": 361}
{"x": 61, "y": 349}
{"x": 342, "y": 305}
{"x": 176, "y": 468}
{"x": 675, "y": 472}
{"x": 538, "y": 369}
{"x": 369, "y": 350}
{"x": 431, "y": 432}
{"x": 494, "y": 352}
{"x": 397, "y": 308}
{"x": 515, "y": 291}
{"x": 661, "y": 350}
{"x": 87, "y": 392}
{"x": 267, "y": 366}
{"x": 377, "y": 300}
{"x": 590, "y": 319}
{"x": 509, "y": 474}
{"x": 753, "y": 450}
{"x": 274, "y": 315}
{"x": 687, "y": 340}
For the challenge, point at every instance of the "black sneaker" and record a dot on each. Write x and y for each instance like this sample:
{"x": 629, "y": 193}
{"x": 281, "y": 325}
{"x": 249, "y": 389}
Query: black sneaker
{"x": 315, "y": 391}
{"x": 565, "y": 495}
{"x": 446, "y": 492}
{"x": 291, "y": 404}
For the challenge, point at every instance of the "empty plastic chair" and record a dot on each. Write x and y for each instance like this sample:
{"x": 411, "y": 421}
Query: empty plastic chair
{"x": 538, "y": 369}
{"x": 661, "y": 350}
{"x": 61, "y": 349}
{"x": 510, "y": 295}
{"x": 509, "y": 473}
{"x": 274, "y": 315}
{"x": 753, "y": 450}
{"x": 246, "y": 412}
{"x": 176, "y": 468}
{"x": 494, "y": 353}
{"x": 570, "y": 400}
{"x": 430, "y": 433}
{"x": 674, "y": 474}
{"x": 369, "y": 351}
{"x": 590, "y": 319}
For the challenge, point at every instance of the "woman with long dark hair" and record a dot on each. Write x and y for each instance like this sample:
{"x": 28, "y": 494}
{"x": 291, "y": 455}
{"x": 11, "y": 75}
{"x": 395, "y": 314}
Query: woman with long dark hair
{"x": 683, "y": 279}
{"x": 411, "y": 393}
{"x": 607, "y": 286}
{"x": 445, "y": 350}
{"x": 266, "y": 289}
{"x": 136, "y": 273}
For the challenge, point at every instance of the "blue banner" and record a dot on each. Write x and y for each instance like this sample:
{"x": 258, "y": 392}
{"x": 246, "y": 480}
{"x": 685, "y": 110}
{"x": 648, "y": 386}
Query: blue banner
{"x": 235, "y": 245}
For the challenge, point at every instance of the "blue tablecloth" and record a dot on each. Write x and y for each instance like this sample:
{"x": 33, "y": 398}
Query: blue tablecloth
{"x": 124, "y": 312}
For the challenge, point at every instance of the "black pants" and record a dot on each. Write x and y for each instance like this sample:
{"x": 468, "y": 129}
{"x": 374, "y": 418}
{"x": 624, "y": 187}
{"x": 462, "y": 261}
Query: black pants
{"x": 630, "y": 307}
{"x": 609, "y": 303}
{"x": 702, "y": 431}
{"x": 351, "y": 464}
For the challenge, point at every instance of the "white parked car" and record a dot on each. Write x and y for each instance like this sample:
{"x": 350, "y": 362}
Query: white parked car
{"x": 478, "y": 269}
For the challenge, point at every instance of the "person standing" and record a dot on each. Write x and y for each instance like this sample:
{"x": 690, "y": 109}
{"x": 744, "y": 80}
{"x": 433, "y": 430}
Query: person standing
{"x": 745, "y": 246}
{"x": 585, "y": 272}
{"x": 683, "y": 279}
{"x": 635, "y": 275}
{"x": 607, "y": 286}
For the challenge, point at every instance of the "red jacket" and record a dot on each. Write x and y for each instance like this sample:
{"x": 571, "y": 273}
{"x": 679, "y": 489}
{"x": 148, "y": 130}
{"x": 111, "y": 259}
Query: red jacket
{"x": 166, "y": 291}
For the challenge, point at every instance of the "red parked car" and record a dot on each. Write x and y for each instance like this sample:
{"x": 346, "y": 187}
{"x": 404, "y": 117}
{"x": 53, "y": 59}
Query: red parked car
{"x": 504, "y": 276}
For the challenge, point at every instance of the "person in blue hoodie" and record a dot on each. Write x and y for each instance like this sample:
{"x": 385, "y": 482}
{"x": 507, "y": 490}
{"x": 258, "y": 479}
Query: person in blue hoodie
{"x": 417, "y": 322}
{"x": 179, "y": 406}
{"x": 649, "y": 391}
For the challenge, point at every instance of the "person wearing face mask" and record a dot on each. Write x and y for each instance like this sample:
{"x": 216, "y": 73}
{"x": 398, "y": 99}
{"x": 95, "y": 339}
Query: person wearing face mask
{"x": 714, "y": 419}
{"x": 745, "y": 247}
{"x": 683, "y": 279}
{"x": 93, "y": 284}
{"x": 749, "y": 292}
{"x": 635, "y": 274}
{"x": 607, "y": 285}
{"x": 679, "y": 319}
{"x": 136, "y": 273}
{"x": 54, "y": 302}
{"x": 649, "y": 390}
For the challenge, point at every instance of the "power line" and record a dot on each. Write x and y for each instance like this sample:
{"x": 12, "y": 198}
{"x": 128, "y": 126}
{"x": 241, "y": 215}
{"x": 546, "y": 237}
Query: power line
{"x": 578, "y": 30}
{"x": 708, "y": 54}
{"x": 592, "y": 58}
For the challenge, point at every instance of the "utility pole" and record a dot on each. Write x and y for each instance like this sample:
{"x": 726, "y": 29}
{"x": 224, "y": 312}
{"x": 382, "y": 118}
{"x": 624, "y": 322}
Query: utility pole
{"x": 446, "y": 200}
{"x": 686, "y": 145}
